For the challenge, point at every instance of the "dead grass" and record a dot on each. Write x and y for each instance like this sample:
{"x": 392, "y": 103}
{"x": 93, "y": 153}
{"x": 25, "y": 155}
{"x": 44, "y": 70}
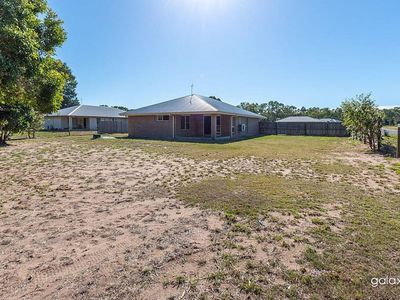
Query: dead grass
{"x": 272, "y": 217}
{"x": 342, "y": 254}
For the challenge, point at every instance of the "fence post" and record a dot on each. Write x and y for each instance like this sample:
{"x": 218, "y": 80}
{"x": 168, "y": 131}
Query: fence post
{"x": 398, "y": 142}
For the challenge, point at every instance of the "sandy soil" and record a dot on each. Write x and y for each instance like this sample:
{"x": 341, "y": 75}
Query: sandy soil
{"x": 101, "y": 222}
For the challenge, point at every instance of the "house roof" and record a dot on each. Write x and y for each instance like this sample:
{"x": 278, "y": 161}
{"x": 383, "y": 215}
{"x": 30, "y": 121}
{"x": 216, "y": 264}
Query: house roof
{"x": 306, "y": 119}
{"x": 192, "y": 104}
{"x": 88, "y": 111}
{"x": 329, "y": 120}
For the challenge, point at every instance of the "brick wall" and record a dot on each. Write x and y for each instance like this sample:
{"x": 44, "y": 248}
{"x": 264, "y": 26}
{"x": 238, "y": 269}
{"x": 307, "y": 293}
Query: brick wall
{"x": 196, "y": 126}
{"x": 149, "y": 127}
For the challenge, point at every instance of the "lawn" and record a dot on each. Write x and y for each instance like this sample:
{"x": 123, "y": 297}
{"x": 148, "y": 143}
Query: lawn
{"x": 390, "y": 127}
{"x": 348, "y": 236}
{"x": 268, "y": 147}
{"x": 270, "y": 217}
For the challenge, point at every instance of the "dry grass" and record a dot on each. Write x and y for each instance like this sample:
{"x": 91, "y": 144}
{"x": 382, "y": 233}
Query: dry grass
{"x": 350, "y": 236}
{"x": 271, "y": 217}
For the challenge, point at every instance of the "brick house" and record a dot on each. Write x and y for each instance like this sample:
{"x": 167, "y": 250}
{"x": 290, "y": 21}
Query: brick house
{"x": 192, "y": 117}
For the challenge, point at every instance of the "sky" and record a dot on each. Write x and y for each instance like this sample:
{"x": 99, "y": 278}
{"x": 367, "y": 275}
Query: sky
{"x": 300, "y": 52}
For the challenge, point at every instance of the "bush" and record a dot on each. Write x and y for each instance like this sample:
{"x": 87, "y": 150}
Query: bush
{"x": 363, "y": 120}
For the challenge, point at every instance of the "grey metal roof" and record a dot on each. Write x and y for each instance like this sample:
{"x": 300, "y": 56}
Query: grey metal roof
{"x": 298, "y": 119}
{"x": 192, "y": 104}
{"x": 329, "y": 120}
{"x": 88, "y": 111}
{"x": 306, "y": 119}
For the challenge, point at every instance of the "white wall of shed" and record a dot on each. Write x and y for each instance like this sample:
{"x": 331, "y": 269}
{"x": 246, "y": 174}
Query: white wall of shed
{"x": 92, "y": 123}
{"x": 52, "y": 123}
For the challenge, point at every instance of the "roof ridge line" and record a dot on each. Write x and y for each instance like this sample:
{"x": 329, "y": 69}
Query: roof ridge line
{"x": 201, "y": 98}
{"x": 74, "y": 110}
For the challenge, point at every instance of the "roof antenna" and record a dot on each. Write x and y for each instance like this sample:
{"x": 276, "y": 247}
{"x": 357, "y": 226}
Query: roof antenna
{"x": 191, "y": 89}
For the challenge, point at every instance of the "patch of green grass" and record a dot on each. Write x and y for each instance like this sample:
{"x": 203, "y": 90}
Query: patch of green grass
{"x": 396, "y": 168}
{"x": 334, "y": 168}
{"x": 251, "y": 195}
{"x": 251, "y": 287}
{"x": 269, "y": 147}
{"x": 216, "y": 277}
{"x": 241, "y": 228}
{"x": 390, "y": 140}
{"x": 366, "y": 245}
{"x": 317, "y": 221}
{"x": 313, "y": 258}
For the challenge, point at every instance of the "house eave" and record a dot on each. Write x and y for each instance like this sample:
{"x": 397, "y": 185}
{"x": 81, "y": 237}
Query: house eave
{"x": 72, "y": 116}
{"x": 191, "y": 113}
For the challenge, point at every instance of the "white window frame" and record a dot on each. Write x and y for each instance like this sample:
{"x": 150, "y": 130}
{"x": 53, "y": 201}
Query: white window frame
{"x": 161, "y": 118}
{"x": 187, "y": 122}
{"x": 218, "y": 128}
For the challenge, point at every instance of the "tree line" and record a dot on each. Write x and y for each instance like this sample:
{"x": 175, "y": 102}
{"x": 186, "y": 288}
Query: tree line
{"x": 274, "y": 110}
{"x": 360, "y": 114}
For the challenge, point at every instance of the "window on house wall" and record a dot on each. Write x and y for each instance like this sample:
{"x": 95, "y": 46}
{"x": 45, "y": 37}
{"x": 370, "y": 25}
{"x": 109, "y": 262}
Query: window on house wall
{"x": 163, "y": 118}
{"x": 185, "y": 122}
{"x": 218, "y": 131}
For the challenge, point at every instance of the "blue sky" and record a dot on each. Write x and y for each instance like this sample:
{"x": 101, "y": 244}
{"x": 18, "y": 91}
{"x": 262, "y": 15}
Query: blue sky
{"x": 300, "y": 52}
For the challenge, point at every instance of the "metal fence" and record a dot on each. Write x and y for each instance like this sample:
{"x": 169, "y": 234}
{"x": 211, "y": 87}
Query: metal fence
{"x": 113, "y": 126}
{"x": 302, "y": 128}
{"x": 391, "y": 142}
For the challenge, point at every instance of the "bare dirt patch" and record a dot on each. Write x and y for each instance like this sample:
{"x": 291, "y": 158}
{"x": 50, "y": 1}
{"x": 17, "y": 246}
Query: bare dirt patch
{"x": 92, "y": 220}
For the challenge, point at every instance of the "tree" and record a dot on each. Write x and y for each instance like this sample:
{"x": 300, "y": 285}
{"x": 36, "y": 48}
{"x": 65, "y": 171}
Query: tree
{"x": 116, "y": 106}
{"x": 363, "y": 120}
{"x": 30, "y": 74}
{"x": 14, "y": 118}
{"x": 120, "y": 107}
{"x": 391, "y": 116}
{"x": 274, "y": 110}
{"x": 35, "y": 123}
{"x": 70, "y": 97}
{"x": 215, "y": 98}
{"x": 253, "y": 107}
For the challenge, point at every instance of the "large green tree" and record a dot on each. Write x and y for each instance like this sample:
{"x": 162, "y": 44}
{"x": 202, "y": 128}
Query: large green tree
{"x": 30, "y": 33}
{"x": 70, "y": 97}
{"x": 30, "y": 74}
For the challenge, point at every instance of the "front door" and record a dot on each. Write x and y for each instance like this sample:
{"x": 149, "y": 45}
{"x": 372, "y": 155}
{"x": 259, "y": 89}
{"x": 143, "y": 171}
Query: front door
{"x": 207, "y": 125}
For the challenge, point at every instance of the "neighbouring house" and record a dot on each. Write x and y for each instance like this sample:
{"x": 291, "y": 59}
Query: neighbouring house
{"x": 304, "y": 125}
{"x": 83, "y": 117}
{"x": 192, "y": 116}
{"x": 306, "y": 119}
